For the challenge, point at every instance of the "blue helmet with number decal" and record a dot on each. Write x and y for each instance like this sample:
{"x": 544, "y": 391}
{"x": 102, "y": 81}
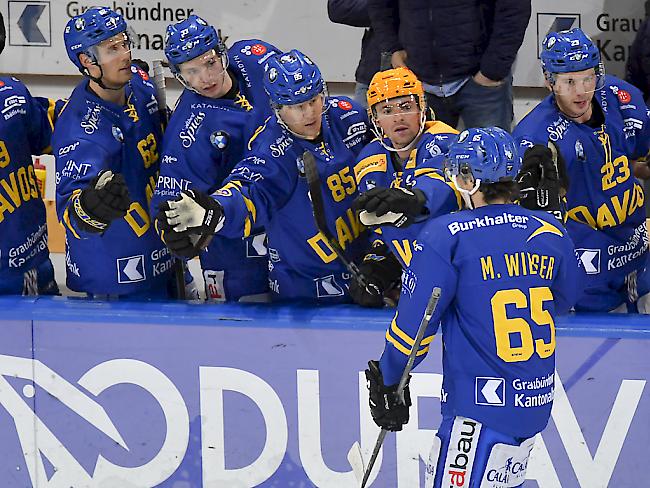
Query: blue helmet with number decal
{"x": 88, "y": 29}
{"x": 568, "y": 52}
{"x": 488, "y": 154}
{"x": 292, "y": 78}
{"x": 189, "y": 39}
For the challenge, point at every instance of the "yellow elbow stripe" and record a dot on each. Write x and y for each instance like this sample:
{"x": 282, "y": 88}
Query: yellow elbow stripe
{"x": 397, "y": 337}
{"x": 405, "y": 350}
{"x": 67, "y": 224}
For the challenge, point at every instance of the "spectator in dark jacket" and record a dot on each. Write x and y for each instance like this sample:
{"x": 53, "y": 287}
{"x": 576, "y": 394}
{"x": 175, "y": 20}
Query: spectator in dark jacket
{"x": 355, "y": 13}
{"x": 638, "y": 64}
{"x": 462, "y": 51}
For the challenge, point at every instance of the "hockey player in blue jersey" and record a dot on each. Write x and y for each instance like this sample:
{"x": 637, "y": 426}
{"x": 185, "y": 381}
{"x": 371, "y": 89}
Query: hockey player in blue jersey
{"x": 25, "y": 129}
{"x": 268, "y": 187}
{"x": 505, "y": 273}
{"x": 223, "y": 102}
{"x": 601, "y": 127}
{"x": 107, "y": 144}
{"x": 400, "y": 171}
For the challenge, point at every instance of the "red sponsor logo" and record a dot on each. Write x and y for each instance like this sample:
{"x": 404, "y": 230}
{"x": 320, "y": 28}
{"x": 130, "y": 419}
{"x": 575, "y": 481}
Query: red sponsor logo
{"x": 258, "y": 49}
{"x": 143, "y": 74}
{"x": 345, "y": 105}
{"x": 623, "y": 96}
{"x": 2, "y": 83}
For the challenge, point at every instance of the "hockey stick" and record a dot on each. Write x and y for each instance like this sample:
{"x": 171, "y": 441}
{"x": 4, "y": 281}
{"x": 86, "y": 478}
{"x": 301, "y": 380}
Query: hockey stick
{"x": 318, "y": 210}
{"x": 161, "y": 97}
{"x": 355, "y": 451}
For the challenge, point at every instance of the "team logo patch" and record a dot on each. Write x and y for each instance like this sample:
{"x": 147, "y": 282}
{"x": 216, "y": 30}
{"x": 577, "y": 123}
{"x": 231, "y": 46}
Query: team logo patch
{"x": 489, "y": 391}
{"x": 345, "y": 105}
{"x": 624, "y": 96}
{"x": 589, "y": 259}
{"x": 117, "y": 134}
{"x": 258, "y": 49}
{"x": 300, "y": 164}
{"x": 220, "y": 139}
{"x": 79, "y": 24}
{"x": 273, "y": 75}
{"x": 131, "y": 269}
{"x": 580, "y": 151}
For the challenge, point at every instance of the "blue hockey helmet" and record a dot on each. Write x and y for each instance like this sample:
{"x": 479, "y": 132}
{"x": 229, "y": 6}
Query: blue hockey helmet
{"x": 488, "y": 154}
{"x": 292, "y": 78}
{"x": 568, "y": 52}
{"x": 88, "y": 29}
{"x": 189, "y": 39}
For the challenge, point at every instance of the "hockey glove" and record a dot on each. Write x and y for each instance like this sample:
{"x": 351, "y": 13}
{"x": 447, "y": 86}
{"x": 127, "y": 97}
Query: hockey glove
{"x": 142, "y": 64}
{"x": 387, "y": 409}
{"x": 381, "y": 268}
{"x": 194, "y": 212}
{"x": 181, "y": 244}
{"x": 542, "y": 180}
{"x": 105, "y": 199}
{"x": 398, "y": 207}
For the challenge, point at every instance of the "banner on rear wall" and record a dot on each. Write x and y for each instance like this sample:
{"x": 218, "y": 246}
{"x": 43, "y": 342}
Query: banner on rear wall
{"x": 612, "y": 24}
{"x": 35, "y": 30}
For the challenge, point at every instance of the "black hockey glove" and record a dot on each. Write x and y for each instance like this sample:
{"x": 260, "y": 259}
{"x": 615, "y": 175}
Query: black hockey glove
{"x": 398, "y": 207}
{"x": 194, "y": 213}
{"x": 181, "y": 244}
{"x": 387, "y": 409}
{"x": 143, "y": 65}
{"x": 105, "y": 199}
{"x": 543, "y": 181}
{"x": 381, "y": 268}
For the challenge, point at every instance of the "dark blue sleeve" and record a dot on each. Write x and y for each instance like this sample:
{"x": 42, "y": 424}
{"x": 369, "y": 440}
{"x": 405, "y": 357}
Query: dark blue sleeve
{"x": 430, "y": 268}
{"x": 382, "y": 15}
{"x": 349, "y": 12}
{"x": 256, "y": 187}
{"x": 42, "y": 114}
{"x": 638, "y": 64}
{"x": 506, "y": 35}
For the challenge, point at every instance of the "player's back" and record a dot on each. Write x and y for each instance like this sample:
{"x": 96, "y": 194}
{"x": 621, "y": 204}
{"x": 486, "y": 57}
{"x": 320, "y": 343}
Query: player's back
{"x": 515, "y": 270}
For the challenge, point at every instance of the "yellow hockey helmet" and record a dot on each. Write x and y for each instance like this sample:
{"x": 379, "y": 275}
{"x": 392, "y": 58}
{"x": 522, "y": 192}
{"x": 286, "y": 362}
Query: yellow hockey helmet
{"x": 393, "y": 83}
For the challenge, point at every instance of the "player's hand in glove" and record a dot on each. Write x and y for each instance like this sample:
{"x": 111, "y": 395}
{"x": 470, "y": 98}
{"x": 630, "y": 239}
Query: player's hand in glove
{"x": 193, "y": 213}
{"x": 142, "y": 64}
{"x": 398, "y": 207}
{"x": 543, "y": 180}
{"x": 105, "y": 199}
{"x": 387, "y": 409}
{"x": 183, "y": 244}
{"x": 381, "y": 268}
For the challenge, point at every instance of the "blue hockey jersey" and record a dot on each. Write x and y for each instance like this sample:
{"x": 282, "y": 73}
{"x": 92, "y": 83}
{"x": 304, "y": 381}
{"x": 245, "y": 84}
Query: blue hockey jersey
{"x": 26, "y": 125}
{"x": 268, "y": 189}
{"x": 606, "y": 214}
{"x": 94, "y": 135}
{"x": 204, "y": 140}
{"x": 423, "y": 170}
{"x": 505, "y": 272}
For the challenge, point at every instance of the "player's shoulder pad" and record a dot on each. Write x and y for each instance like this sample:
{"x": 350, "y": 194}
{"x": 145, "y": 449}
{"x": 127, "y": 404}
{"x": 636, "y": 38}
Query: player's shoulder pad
{"x": 544, "y": 115}
{"x": 626, "y": 97}
{"x": 436, "y": 141}
{"x": 251, "y": 52}
{"x": 344, "y": 108}
{"x": 141, "y": 81}
{"x": 373, "y": 158}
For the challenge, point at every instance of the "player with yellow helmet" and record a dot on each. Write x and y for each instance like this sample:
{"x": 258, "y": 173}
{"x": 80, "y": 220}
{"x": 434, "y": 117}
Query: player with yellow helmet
{"x": 401, "y": 176}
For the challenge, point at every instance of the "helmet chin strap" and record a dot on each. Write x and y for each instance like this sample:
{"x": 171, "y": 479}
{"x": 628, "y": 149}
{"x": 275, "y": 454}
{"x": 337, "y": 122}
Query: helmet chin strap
{"x": 466, "y": 194}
